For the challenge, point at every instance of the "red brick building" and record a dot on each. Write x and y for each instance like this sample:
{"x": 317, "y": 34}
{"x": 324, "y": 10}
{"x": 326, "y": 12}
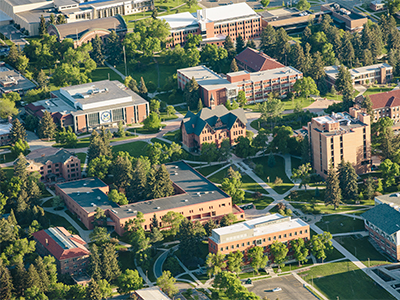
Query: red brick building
{"x": 215, "y": 24}
{"x": 254, "y": 61}
{"x": 212, "y": 126}
{"x": 54, "y": 164}
{"x": 261, "y": 232}
{"x": 196, "y": 198}
{"x": 69, "y": 250}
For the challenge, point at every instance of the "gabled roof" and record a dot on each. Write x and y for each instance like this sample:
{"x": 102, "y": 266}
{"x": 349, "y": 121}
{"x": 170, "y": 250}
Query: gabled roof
{"x": 387, "y": 99}
{"x": 385, "y": 217}
{"x": 257, "y": 60}
{"x": 43, "y": 155}
{"x": 61, "y": 244}
{"x": 196, "y": 123}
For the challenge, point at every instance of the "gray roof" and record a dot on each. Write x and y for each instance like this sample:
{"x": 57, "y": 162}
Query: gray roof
{"x": 384, "y": 217}
{"x": 210, "y": 117}
{"x": 59, "y": 157}
{"x": 198, "y": 189}
{"x": 8, "y": 74}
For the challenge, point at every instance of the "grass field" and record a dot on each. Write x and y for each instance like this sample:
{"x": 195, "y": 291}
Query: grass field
{"x": 296, "y": 163}
{"x": 340, "y": 224}
{"x": 56, "y": 220}
{"x": 135, "y": 149}
{"x": 82, "y": 143}
{"x": 82, "y": 157}
{"x": 343, "y": 280}
{"x": 270, "y": 174}
{"x": 322, "y": 209}
{"x": 205, "y": 171}
{"x": 362, "y": 249}
{"x": 260, "y": 203}
{"x": 378, "y": 89}
{"x": 103, "y": 73}
{"x": 7, "y": 157}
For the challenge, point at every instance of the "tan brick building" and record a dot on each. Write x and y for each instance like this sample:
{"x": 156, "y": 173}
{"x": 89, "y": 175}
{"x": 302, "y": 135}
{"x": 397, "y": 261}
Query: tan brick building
{"x": 212, "y": 126}
{"x": 261, "y": 232}
{"x": 345, "y": 18}
{"x": 255, "y": 61}
{"x": 69, "y": 250}
{"x": 338, "y": 137}
{"x": 196, "y": 198}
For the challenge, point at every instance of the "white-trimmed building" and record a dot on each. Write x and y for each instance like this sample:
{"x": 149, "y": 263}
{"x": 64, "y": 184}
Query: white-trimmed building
{"x": 151, "y": 293}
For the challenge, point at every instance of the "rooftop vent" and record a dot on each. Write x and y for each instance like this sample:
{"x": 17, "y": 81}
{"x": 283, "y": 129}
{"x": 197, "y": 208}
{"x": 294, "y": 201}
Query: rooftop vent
{"x": 186, "y": 200}
{"x": 176, "y": 167}
{"x": 87, "y": 192}
{"x": 98, "y": 197}
{"x": 129, "y": 209}
{"x": 85, "y": 184}
{"x": 158, "y": 207}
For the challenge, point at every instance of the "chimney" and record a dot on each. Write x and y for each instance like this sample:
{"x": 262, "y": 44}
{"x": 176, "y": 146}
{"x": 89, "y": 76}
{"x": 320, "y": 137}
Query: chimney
{"x": 47, "y": 242}
{"x": 10, "y": 119}
{"x": 43, "y": 155}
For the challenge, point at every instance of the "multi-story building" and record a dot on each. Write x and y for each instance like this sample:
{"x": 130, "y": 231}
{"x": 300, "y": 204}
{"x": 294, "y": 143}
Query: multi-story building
{"x": 54, "y": 164}
{"x": 69, "y": 250}
{"x": 92, "y": 105}
{"x": 12, "y": 81}
{"x": 212, "y": 126}
{"x": 380, "y": 73}
{"x": 385, "y": 104}
{"x": 255, "y": 61}
{"x": 196, "y": 198}
{"x": 85, "y": 31}
{"x": 260, "y": 232}
{"x": 27, "y": 13}
{"x": 377, "y": 5}
{"x": 215, "y": 24}
{"x": 345, "y": 18}
{"x": 215, "y": 89}
{"x": 382, "y": 223}
{"x": 338, "y": 137}
{"x": 5, "y": 129}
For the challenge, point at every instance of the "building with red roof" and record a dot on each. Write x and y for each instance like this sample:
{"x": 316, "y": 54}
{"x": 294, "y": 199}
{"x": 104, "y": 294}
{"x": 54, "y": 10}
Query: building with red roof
{"x": 68, "y": 249}
{"x": 254, "y": 61}
{"x": 385, "y": 104}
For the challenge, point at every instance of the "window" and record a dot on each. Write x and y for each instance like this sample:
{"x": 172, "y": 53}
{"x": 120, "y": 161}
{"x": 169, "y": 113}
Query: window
{"x": 248, "y": 243}
{"x": 49, "y": 166}
{"x": 222, "y": 248}
{"x": 93, "y": 119}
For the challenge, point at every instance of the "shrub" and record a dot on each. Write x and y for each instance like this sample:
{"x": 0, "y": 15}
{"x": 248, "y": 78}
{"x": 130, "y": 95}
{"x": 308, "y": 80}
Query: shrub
{"x": 259, "y": 170}
{"x": 278, "y": 181}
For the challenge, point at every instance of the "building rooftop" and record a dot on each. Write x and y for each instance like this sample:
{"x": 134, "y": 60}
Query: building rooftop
{"x": 391, "y": 199}
{"x": 152, "y": 293}
{"x": 195, "y": 123}
{"x": 344, "y": 12}
{"x": 197, "y": 189}
{"x": 43, "y": 155}
{"x": 255, "y": 227}
{"x": 24, "y": 2}
{"x": 385, "y": 217}
{"x": 181, "y": 20}
{"x": 13, "y": 81}
{"x": 346, "y": 123}
{"x": 61, "y": 244}
{"x": 5, "y": 128}
{"x": 333, "y": 71}
{"x": 226, "y": 12}
{"x": 257, "y": 60}
{"x": 386, "y": 99}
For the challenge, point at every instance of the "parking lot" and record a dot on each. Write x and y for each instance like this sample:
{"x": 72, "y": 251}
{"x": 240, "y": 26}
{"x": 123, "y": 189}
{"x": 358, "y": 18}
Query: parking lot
{"x": 291, "y": 289}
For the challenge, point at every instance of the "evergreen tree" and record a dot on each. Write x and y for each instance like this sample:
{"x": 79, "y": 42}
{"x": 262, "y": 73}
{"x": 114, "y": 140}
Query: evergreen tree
{"x": 234, "y": 67}
{"x": 163, "y": 186}
{"x": 271, "y": 160}
{"x": 239, "y": 44}
{"x": 136, "y": 191}
{"x": 13, "y": 55}
{"x": 347, "y": 51}
{"x": 367, "y": 58}
{"x": 296, "y": 57}
{"x": 20, "y": 168}
{"x": 94, "y": 267}
{"x": 131, "y": 83}
{"x": 122, "y": 171}
{"x": 251, "y": 44}
{"x": 369, "y": 188}
{"x": 366, "y": 37}
{"x": 367, "y": 105}
{"x": 190, "y": 235}
{"x": 268, "y": 39}
{"x": 17, "y": 132}
{"x": 42, "y": 26}
{"x": 61, "y": 19}
{"x": 306, "y": 36}
{"x": 99, "y": 145}
{"x": 307, "y": 59}
{"x": 332, "y": 191}
{"x": 19, "y": 276}
{"x": 191, "y": 93}
{"x": 33, "y": 278}
{"x": 109, "y": 262}
{"x": 6, "y": 285}
{"x": 97, "y": 52}
{"x": 348, "y": 180}
{"x": 93, "y": 291}
{"x": 114, "y": 48}
{"x": 209, "y": 226}
{"x": 142, "y": 88}
{"x": 47, "y": 127}
{"x": 52, "y": 19}
{"x": 42, "y": 79}
{"x": 317, "y": 68}
{"x": 377, "y": 43}
{"x": 229, "y": 47}
{"x": 200, "y": 105}
{"x": 343, "y": 80}
{"x": 44, "y": 282}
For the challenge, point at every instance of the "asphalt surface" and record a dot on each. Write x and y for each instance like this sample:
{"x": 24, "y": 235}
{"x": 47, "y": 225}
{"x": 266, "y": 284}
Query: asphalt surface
{"x": 291, "y": 289}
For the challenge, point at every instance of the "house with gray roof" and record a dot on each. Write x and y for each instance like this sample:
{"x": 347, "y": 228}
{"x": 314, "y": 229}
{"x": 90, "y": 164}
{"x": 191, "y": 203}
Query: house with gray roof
{"x": 212, "y": 126}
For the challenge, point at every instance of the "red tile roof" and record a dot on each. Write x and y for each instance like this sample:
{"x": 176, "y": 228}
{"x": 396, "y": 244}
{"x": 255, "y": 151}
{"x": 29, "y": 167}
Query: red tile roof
{"x": 56, "y": 249}
{"x": 387, "y": 99}
{"x": 257, "y": 61}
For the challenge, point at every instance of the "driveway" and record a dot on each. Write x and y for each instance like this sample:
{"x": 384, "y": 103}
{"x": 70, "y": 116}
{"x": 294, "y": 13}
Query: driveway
{"x": 291, "y": 289}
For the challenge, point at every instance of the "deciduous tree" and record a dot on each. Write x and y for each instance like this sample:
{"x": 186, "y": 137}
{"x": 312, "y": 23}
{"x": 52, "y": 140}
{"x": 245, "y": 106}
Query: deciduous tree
{"x": 257, "y": 258}
{"x": 303, "y": 173}
{"x": 129, "y": 281}
{"x": 215, "y": 263}
{"x": 279, "y": 251}
{"x": 167, "y": 283}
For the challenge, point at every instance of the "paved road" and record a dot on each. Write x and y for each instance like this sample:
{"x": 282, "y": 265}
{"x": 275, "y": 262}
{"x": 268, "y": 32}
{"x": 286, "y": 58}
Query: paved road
{"x": 291, "y": 289}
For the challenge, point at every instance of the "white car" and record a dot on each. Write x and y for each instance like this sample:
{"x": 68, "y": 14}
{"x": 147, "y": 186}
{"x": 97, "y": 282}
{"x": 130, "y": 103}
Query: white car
{"x": 277, "y": 289}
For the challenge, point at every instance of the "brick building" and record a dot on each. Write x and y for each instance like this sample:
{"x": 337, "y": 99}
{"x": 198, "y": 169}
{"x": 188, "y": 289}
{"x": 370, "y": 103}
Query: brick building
{"x": 254, "y": 61}
{"x": 54, "y": 164}
{"x": 195, "y": 197}
{"x": 338, "y": 137}
{"x": 72, "y": 257}
{"x": 382, "y": 223}
{"x": 92, "y": 105}
{"x": 385, "y": 104}
{"x": 377, "y": 5}
{"x": 5, "y": 129}
{"x": 345, "y": 18}
{"x": 215, "y": 125}
{"x": 13, "y": 81}
{"x": 262, "y": 231}
{"x": 216, "y": 90}
{"x": 381, "y": 73}
{"x": 215, "y": 24}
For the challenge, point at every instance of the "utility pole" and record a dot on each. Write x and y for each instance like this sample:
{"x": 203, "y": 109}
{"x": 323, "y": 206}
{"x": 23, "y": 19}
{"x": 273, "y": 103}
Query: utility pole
{"x": 123, "y": 47}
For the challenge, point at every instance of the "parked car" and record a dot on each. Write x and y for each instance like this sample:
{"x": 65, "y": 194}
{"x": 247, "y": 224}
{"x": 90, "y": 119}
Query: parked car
{"x": 277, "y": 289}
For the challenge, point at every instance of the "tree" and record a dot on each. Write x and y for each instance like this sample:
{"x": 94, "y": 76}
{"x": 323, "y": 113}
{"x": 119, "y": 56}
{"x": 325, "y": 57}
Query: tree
{"x": 190, "y": 3}
{"x": 216, "y": 263}
{"x": 152, "y": 122}
{"x": 163, "y": 186}
{"x": 99, "y": 235}
{"x": 369, "y": 187}
{"x": 131, "y": 83}
{"x": 13, "y": 55}
{"x": 230, "y": 48}
{"x": 7, "y": 108}
{"x": 42, "y": 79}
{"x": 94, "y": 267}
{"x": 122, "y": 172}
{"x": 93, "y": 291}
{"x": 99, "y": 217}
{"x": 241, "y": 98}
{"x": 239, "y": 44}
{"x": 265, "y": 3}
{"x": 20, "y": 147}
{"x": 303, "y": 173}
{"x": 6, "y": 285}
{"x": 174, "y": 220}
{"x": 228, "y": 220}
{"x": 367, "y": 105}
{"x": 300, "y": 250}
{"x": 306, "y": 87}
{"x": 142, "y": 88}
{"x": 390, "y": 171}
{"x": 167, "y": 283}
{"x": 209, "y": 152}
{"x": 279, "y": 251}
{"x": 235, "y": 261}
{"x": 192, "y": 41}
{"x": 191, "y": 93}
{"x": 332, "y": 191}
{"x": 129, "y": 281}
{"x": 47, "y": 127}
{"x": 234, "y": 67}
{"x": 348, "y": 180}
{"x": 22, "y": 64}
{"x": 114, "y": 48}
{"x": 282, "y": 136}
{"x": 190, "y": 234}
{"x": 117, "y": 197}
{"x": 42, "y": 26}
{"x": 232, "y": 187}
{"x": 213, "y": 56}
{"x": 20, "y": 168}
{"x": 97, "y": 52}
{"x": 171, "y": 110}
{"x": 257, "y": 258}
{"x": 271, "y": 109}
{"x": 33, "y": 278}
{"x": 320, "y": 243}
{"x": 109, "y": 262}
{"x": 244, "y": 148}
{"x": 343, "y": 81}
{"x": 303, "y": 5}
{"x": 61, "y": 19}
{"x": 209, "y": 226}
{"x": 99, "y": 167}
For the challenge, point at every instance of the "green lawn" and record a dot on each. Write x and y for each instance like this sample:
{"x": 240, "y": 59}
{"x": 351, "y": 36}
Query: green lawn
{"x": 8, "y": 157}
{"x": 82, "y": 143}
{"x": 9, "y": 172}
{"x": 176, "y": 99}
{"x": 171, "y": 135}
{"x": 260, "y": 203}
{"x": 343, "y": 280}
{"x": 135, "y": 149}
{"x": 82, "y": 157}
{"x": 310, "y": 196}
{"x": 334, "y": 254}
{"x": 143, "y": 130}
{"x": 103, "y": 73}
{"x": 75, "y": 218}
{"x": 340, "y": 224}
{"x": 270, "y": 174}
{"x": 296, "y": 163}
{"x": 321, "y": 209}
{"x": 364, "y": 250}
{"x": 48, "y": 203}
{"x": 127, "y": 136}
{"x": 205, "y": 171}
{"x": 218, "y": 177}
{"x": 56, "y": 220}
{"x": 378, "y": 89}
{"x": 165, "y": 117}
{"x": 249, "y": 184}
